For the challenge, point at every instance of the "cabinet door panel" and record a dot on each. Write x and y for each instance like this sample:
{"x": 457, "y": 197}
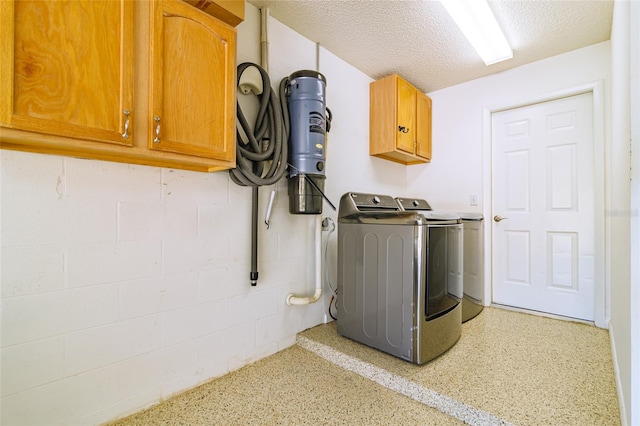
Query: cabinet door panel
{"x": 72, "y": 68}
{"x": 423, "y": 114}
{"x": 399, "y": 121}
{"x": 406, "y": 130}
{"x": 193, "y": 77}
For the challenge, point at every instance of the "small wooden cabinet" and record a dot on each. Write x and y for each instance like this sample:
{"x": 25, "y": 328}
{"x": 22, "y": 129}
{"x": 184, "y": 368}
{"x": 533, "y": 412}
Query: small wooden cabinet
{"x": 399, "y": 121}
{"x": 192, "y": 82}
{"x": 146, "y": 82}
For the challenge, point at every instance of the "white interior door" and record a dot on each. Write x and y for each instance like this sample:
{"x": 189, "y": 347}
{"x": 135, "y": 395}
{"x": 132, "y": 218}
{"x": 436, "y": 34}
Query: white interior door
{"x": 543, "y": 207}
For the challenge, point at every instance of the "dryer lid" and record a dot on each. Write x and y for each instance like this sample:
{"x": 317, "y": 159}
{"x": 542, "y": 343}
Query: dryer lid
{"x": 471, "y": 216}
{"x": 433, "y": 216}
{"x": 422, "y": 206}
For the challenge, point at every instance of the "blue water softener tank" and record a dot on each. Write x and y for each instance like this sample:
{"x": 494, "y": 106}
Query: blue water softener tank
{"x": 307, "y": 138}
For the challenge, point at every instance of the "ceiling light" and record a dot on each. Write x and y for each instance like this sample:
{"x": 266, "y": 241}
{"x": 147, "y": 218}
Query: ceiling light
{"x": 480, "y": 27}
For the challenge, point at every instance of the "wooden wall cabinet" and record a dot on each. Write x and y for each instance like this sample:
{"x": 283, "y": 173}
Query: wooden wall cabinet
{"x": 399, "y": 121}
{"x": 69, "y": 67}
{"x": 139, "y": 82}
{"x": 193, "y": 104}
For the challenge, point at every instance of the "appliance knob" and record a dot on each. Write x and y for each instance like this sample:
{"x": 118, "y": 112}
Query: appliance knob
{"x": 376, "y": 199}
{"x": 415, "y": 203}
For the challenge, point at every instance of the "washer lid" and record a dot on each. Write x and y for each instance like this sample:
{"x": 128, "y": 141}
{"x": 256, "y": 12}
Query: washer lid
{"x": 471, "y": 216}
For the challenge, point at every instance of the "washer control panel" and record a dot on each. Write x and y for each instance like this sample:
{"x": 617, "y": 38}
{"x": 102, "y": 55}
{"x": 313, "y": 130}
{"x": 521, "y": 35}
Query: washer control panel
{"x": 373, "y": 201}
{"x": 409, "y": 204}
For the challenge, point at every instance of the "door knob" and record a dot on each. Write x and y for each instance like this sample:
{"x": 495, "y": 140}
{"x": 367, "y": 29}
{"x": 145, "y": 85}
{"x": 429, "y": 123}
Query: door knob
{"x": 499, "y": 218}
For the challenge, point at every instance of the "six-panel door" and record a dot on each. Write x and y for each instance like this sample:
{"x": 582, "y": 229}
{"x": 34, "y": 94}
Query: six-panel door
{"x": 543, "y": 207}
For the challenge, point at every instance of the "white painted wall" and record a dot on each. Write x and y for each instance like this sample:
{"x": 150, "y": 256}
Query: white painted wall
{"x": 620, "y": 327}
{"x": 124, "y": 284}
{"x": 634, "y": 297}
{"x": 625, "y": 291}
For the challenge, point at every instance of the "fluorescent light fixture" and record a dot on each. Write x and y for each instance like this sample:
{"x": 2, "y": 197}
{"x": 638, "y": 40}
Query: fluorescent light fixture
{"x": 480, "y": 27}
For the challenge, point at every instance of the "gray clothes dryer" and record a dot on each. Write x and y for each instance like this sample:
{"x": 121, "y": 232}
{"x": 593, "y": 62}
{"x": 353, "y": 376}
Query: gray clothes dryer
{"x": 454, "y": 240}
{"x": 388, "y": 296}
{"x": 473, "y": 237}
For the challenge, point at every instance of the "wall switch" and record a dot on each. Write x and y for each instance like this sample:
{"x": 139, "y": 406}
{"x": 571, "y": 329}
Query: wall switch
{"x": 473, "y": 200}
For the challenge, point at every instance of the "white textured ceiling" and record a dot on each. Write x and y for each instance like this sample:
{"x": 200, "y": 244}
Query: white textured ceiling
{"x": 418, "y": 40}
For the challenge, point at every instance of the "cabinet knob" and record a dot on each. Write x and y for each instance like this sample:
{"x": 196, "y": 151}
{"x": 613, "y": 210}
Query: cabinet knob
{"x": 157, "y": 138}
{"x": 125, "y": 134}
{"x": 403, "y": 129}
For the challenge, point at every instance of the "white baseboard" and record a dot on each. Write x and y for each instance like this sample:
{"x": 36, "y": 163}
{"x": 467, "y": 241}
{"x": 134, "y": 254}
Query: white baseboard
{"x": 623, "y": 413}
{"x": 542, "y": 314}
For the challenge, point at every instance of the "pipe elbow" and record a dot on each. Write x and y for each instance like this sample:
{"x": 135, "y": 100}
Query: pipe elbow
{"x": 293, "y": 299}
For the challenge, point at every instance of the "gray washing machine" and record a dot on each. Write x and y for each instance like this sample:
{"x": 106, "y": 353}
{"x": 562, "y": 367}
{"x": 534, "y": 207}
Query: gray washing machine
{"x": 395, "y": 289}
{"x": 473, "y": 237}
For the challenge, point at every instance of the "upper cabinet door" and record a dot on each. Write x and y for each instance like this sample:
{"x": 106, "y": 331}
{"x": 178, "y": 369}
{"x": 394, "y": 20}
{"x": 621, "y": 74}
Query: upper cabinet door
{"x": 193, "y": 82}
{"x": 406, "y": 129}
{"x": 72, "y": 68}
{"x": 423, "y": 115}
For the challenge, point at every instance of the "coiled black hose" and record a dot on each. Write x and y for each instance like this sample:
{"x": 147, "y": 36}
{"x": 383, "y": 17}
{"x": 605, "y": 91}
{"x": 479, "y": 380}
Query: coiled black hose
{"x": 262, "y": 159}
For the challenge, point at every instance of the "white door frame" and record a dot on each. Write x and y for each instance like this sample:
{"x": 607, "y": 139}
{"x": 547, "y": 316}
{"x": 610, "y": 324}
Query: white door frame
{"x": 601, "y": 308}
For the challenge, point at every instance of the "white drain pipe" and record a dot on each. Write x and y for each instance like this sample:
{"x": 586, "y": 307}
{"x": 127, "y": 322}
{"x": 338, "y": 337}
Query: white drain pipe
{"x": 264, "y": 39}
{"x": 293, "y": 299}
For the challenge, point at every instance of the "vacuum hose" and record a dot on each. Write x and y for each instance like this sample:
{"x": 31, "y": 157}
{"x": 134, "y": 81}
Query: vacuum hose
{"x": 262, "y": 158}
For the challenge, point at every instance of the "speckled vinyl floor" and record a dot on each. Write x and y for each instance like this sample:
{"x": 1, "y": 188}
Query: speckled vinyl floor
{"x": 507, "y": 368}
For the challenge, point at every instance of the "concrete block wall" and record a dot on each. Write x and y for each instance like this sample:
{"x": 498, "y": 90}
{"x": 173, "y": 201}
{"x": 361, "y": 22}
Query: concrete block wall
{"x": 122, "y": 284}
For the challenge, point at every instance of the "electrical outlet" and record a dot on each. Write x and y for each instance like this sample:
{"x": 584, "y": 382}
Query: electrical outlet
{"x": 473, "y": 200}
